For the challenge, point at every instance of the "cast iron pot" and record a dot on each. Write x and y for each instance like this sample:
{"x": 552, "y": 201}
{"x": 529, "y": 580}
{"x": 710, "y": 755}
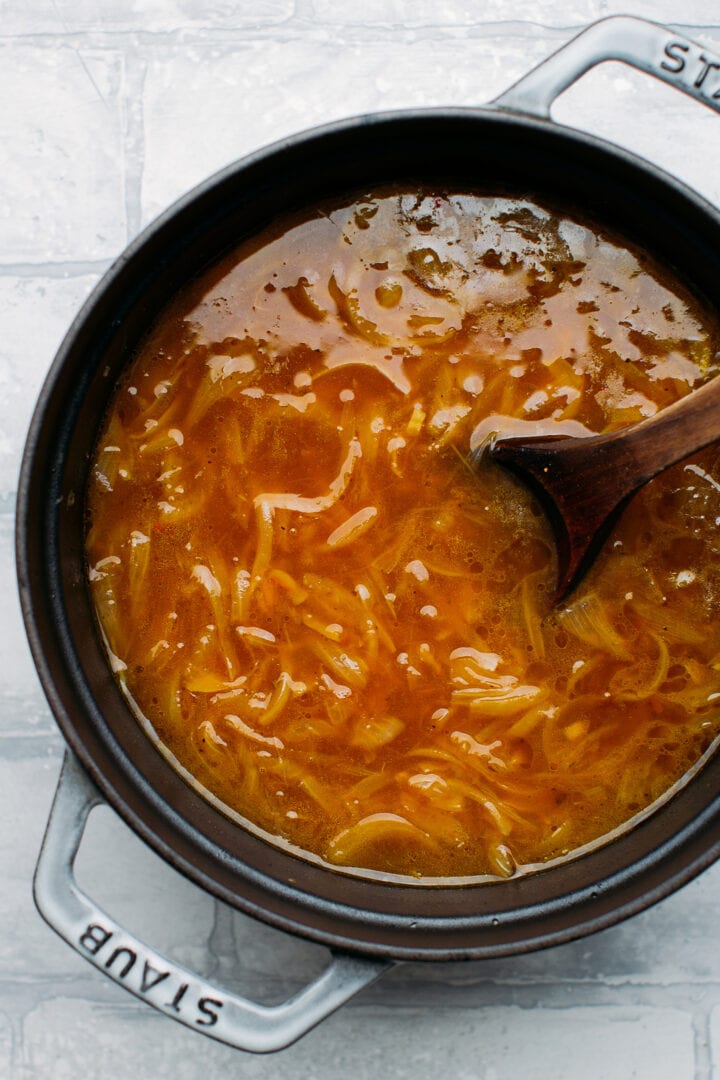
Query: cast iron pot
{"x": 510, "y": 146}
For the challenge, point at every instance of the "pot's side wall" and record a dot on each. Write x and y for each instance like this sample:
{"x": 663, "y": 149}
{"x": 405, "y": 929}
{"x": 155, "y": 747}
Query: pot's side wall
{"x": 462, "y": 149}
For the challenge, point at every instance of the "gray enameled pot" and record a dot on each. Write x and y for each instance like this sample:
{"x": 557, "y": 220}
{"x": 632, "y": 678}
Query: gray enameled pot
{"x": 512, "y": 146}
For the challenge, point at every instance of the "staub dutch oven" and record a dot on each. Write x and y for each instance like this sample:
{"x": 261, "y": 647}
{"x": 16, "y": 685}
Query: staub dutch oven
{"x": 512, "y": 146}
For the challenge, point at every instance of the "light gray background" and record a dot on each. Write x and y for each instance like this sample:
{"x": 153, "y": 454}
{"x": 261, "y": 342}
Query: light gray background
{"x": 109, "y": 109}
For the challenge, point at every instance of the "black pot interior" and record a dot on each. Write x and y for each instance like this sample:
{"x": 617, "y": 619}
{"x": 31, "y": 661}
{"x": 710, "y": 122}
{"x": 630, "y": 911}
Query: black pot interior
{"x": 472, "y": 150}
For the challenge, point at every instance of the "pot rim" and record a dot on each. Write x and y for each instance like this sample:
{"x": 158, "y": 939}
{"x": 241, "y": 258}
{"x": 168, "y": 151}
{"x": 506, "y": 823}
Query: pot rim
{"x": 417, "y": 931}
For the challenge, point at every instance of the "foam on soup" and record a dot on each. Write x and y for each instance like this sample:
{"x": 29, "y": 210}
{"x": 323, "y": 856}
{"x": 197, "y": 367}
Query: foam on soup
{"x": 330, "y": 623}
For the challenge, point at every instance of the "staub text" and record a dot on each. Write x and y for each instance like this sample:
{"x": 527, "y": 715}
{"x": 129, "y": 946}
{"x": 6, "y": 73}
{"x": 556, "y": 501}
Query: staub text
{"x": 695, "y": 68}
{"x": 168, "y": 991}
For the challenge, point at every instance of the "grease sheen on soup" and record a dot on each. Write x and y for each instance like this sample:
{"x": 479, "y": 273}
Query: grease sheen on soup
{"x": 335, "y": 627}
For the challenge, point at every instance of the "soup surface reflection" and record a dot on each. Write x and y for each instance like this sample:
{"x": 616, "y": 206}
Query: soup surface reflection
{"x": 330, "y": 622}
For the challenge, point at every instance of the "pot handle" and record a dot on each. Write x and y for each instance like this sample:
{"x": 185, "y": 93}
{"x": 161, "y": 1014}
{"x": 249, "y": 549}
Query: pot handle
{"x": 643, "y": 44}
{"x": 154, "y": 978}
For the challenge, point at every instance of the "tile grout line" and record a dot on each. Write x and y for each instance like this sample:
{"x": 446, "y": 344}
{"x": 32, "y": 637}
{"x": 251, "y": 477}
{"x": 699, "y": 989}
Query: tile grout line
{"x": 703, "y": 1045}
{"x": 133, "y": 122}
{"x": 60, "y": 268}
{"x": 115, "y": 40}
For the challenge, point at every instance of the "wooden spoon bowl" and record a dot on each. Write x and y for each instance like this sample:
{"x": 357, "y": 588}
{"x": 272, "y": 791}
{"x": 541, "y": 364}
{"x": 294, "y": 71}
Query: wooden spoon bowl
{"x": 583, "y": 484}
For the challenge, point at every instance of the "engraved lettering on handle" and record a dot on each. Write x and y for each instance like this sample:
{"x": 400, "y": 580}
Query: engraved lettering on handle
{"x": 694, "y": 66}
{"x": 674, "y": 61}
{"x": 158, "y": 980}
{"x": 640, "y": 43}
{"x": 122, "y": 959}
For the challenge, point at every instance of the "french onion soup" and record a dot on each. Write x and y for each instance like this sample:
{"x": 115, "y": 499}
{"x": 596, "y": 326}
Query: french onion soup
{"x": 336, "y": 629}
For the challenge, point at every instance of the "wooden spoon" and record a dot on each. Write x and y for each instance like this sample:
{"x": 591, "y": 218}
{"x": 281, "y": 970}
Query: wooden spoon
{"x": 583, "y": 484}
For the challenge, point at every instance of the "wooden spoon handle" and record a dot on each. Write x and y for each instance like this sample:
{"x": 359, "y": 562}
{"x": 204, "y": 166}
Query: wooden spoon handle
{"x": 679, "y": 430}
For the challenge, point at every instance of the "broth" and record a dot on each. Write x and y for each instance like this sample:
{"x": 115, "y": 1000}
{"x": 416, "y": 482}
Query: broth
{"x": 334, "y": 625}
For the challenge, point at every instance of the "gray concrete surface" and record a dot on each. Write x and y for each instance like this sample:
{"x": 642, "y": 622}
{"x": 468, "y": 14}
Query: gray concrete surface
{"x": 109, "y": 109}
